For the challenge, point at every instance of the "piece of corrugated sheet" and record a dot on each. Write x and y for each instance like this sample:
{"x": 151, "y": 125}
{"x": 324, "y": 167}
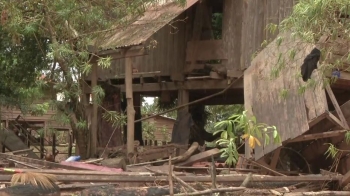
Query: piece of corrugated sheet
{"x": 144, "y": 27}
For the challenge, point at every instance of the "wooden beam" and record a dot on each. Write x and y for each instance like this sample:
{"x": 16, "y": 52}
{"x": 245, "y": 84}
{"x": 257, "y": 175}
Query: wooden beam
{"x": 337, "y": 107}
{"x": 318, "y": 119}
{"x": 130, "y": 107}
{"x": 209, "y": 50}
{"x": 189, "y": 85}
{"x": 121, "y": 53}
{"x": 144, "y": 74}
{"x": 275, "y": 158}
{"x": 335, "y": 120}
{"x": 215, "y": 67}
{"x": 316, "y": 136}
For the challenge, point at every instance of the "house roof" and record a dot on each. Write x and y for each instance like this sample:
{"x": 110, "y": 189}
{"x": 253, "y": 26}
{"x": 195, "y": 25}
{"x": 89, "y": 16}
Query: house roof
{"x": 145, "y": 26}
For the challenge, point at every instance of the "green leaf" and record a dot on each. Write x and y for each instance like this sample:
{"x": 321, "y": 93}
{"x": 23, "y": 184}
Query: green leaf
{"x": 275, "y": 134}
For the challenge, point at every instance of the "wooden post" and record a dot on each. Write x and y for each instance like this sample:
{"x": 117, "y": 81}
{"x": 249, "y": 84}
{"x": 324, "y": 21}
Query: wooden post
{"x": 70, "y": 144}
{"x": 42, "y": 149}
{"x": 138, "y": 126}
{"x": 130, "y": 106}
{"x": 93, "y": 136}
{"x": 183, "y": 98}
{"x": 53, "y": 144}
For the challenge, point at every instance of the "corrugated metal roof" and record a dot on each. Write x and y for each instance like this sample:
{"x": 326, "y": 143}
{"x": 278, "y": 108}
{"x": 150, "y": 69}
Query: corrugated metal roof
{"x": 144, "y": 27}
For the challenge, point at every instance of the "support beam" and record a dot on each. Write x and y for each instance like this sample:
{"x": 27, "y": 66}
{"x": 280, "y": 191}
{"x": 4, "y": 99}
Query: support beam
{"x": 337, "y": 107}
{"x": 94, "y": 126}
{"x": 174, "y": 86}
{"x": 316, "y": 136}
{"x": 275, "y": 158}
{"x": 187, "y": 85}
{"x": 335, "y": 120}
{"x": 121, "y": 53}
{"x": 130, "y": 107}
{"x": 138, "y": 126}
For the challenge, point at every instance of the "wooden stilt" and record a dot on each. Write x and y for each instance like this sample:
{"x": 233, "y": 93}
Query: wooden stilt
{"x": 130, "y": 106}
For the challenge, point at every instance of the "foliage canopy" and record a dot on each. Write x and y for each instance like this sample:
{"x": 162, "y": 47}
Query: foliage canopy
{"x": 67, "y": 28}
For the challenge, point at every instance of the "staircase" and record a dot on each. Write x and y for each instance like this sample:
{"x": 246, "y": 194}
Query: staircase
{"x": 14, "y": 144}
{"x": 18, "y": 141}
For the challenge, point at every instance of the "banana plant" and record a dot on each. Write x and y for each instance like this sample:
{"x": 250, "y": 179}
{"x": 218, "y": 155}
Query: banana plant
{"x": 248, "y": 128}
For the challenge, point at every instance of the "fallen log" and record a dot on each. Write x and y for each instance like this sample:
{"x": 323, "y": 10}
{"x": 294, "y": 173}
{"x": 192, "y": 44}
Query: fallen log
{"x": 220, "y": 178}
{"x": 30, "y": 190}
{"x": 188, "y": 153}
{"x": 129, "y": 191}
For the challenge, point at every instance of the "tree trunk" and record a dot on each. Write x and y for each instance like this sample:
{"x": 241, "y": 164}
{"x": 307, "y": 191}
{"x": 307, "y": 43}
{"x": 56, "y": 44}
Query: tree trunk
{"x": 111, "y": 102}
{"x": 82, "y": 141}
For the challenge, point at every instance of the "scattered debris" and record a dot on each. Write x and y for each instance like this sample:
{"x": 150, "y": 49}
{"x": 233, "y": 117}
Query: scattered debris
{"x": 172, "y": 177}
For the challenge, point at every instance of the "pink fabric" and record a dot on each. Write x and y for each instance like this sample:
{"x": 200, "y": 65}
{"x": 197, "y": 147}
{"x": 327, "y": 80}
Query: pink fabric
{"x": 91, "y": 166}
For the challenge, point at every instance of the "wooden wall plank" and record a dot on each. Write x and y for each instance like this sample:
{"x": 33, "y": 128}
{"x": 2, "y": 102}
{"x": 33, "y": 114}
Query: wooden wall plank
{"x": 288, "y": 114}
{"x": 209, "y": 50}
{"x": 232, "y": 32}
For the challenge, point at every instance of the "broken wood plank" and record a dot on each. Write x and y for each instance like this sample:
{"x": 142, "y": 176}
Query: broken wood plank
{"x": 21, "y": 163}
{"x": 316, "y": 136}
{"x": 22, "y": 151}
{"x": 38, "y": 162}
{"x": 200, "y": 157}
